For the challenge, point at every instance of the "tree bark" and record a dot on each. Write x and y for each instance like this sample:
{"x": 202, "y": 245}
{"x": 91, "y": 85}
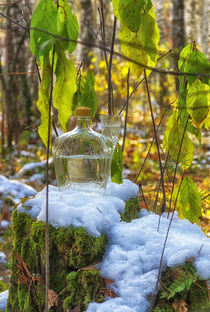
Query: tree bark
{"x": 178, "y": 31}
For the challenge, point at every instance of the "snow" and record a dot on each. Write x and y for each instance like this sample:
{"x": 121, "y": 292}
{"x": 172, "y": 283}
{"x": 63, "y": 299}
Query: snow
{"x": 2, "y": 257}
{"x": 94, "y": 212}
{"x": 4, "y": 224}
{"x": 133, "y": 255}
{"x": 3, "y": 299}
{"x": 15, "y": 188}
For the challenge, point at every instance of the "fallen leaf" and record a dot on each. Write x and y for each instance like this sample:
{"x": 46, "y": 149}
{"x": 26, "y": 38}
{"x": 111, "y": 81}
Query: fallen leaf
{"x": 92, "y": 266}
{"x": 180, "y": 305}
{"x": 52, "y": 298}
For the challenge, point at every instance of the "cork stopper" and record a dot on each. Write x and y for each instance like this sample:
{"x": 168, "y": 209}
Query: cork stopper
{"x": 83, "y": 111}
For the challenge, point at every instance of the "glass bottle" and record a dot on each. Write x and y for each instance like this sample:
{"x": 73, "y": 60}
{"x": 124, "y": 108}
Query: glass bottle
{"x": 111, "y": 126}
{"x": 82, "y": 157}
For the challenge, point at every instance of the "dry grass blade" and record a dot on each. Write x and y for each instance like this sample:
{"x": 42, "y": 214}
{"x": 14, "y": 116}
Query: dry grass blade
{"x": 24, "y": 274}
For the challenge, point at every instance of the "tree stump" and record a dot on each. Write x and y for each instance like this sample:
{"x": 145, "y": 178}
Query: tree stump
{"x": 74, "y": 280}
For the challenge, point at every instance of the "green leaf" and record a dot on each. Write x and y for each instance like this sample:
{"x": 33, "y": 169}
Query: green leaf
{"x": 67, "y": 26}
{"x": 173, "y": 139}
{"x": 44, "y": 17}
{"x": 88, "y": 97}
{"x": 131, "y": 14}
{"x": 197, "y": 63}
{"x": 183, "y": 114}
{"x": 184, "y": 55}
{"x": 43, "y": 101}
{"x": 141, "y": 46}
{"x": 65, "y": 87}
{"x": 189, "y": 201}
{"x": 197, "y": 102}
{"x": 117, "y": 165}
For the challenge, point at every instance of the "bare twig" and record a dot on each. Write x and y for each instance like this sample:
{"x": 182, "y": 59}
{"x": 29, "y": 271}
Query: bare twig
{"x": 134, "y": 90}
{"x": 142, "y": 192}
{"x": 103, "y": 35}
{"x": 176, "y": 166}
{"x": 138, "y": 84}
{"x": 23, "y": 73}
{"x": 145, "y": 159}
{"x": 47, "y": 267}
{"x": 205, "y": 197}
{"x": 156, "y": 140}
{"x": 92, "y": 45}
{"x": 28, "y": 6}
{"x": 159, "y": 185}
{"x": 166, "y": 238}
{"x": 126, "y": 113}
{"x": 110, "y": 90}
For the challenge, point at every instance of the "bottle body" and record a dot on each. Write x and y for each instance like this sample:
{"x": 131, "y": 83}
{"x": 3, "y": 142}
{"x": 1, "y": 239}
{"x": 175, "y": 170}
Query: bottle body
{"x": 82, "y": 158}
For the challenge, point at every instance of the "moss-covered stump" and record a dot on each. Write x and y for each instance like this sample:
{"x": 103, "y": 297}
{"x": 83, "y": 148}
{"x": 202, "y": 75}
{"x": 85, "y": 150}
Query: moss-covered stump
{"x": 70, "y": 250}
{"x": 182, "y": 290}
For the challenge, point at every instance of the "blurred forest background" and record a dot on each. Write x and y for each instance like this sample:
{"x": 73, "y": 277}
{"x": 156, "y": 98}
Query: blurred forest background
{"x": 180, "y": 22}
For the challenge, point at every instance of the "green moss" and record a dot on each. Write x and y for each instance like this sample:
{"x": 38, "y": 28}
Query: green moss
{"x": 3, "y": 286}
{"x": 131, "y": 210}
{"x": 84, "y": 287}
{"x": 69, "y": 249}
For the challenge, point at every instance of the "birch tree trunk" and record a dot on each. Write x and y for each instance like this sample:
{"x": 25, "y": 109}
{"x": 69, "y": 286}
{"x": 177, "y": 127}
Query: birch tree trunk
{"x": 178, "y": 31}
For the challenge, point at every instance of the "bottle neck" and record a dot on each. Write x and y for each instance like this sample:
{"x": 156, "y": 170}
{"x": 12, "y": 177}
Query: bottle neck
{"x": 83, "y": 122}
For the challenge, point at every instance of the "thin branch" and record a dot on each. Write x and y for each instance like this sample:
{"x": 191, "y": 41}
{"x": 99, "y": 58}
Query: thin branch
{"x": 145, "y": 159}
{"x": 159, "y": 185}
{"x": 14, "y": 22}
{"x": 110, "y": 90}
{"x": 126, "y": 113}
{"x": 156, "y": 140}
{"x": 47, "y": 267}
{"x": 205, "y": 197}
{"x": 88, "y": 44}
{"x": 176, "y": 166}
{"x": 23, "y": 73}
{"x": 135, "y": 88}
{"x": 166, "y": 238}
{"x": 28, "y": 6}
{"x": 103, "y": 35}
{"x": 140, "y": 186}
{"x": 138, "y": 84}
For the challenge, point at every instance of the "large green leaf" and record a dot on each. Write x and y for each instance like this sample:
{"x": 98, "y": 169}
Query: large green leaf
{"x": 183, "y": 114}
{"x": 189, "y": 201}
{"x": 88, "y": 96}
{"x": 117, "y": 165}
{"x": 197, "y": 63}
{"x": 43, "y": 101}
{"x": 44, "y": 17}
{"x": 141, "y": 46}
{"x": 184, "y": 55}
{"x": 173, "y": 139}
{"x": 67, "y": 26}
{"x": 65, "y": 87}
{"x": 131, "y": 14}
{"x": 197, "y": 102}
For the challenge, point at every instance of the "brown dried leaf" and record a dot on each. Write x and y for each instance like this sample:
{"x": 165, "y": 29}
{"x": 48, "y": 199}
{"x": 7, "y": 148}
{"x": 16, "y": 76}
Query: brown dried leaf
{"x": 52, "y": 298}
{"x": 92, "y": 266}
{"x": 180, "y": 305}
{"x": 108, "y": 281}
